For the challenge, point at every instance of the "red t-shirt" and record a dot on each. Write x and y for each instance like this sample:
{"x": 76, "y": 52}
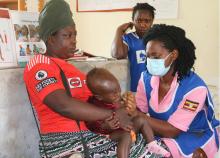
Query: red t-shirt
{"x": 42, "y": 76}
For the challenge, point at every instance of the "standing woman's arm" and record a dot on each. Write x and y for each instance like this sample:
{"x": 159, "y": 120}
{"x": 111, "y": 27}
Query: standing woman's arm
{"x": 119, "y": 50}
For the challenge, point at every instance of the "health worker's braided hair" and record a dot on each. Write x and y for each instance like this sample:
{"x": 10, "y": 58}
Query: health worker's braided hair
{"x": 173, "y": 37}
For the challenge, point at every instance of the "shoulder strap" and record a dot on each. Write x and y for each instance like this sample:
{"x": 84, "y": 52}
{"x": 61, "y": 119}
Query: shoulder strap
{"x": 66, "y": 85}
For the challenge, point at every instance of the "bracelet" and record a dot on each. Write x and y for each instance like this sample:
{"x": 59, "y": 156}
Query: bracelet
{"x": 133, "y": 136}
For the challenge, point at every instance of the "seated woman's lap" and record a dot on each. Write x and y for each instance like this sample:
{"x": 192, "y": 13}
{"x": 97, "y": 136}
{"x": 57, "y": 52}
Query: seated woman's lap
{"x": 63, "y": 144}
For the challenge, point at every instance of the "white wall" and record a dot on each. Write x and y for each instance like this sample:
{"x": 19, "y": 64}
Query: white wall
{"x": 198, "y": 17}
{"x": 218, "y": 108}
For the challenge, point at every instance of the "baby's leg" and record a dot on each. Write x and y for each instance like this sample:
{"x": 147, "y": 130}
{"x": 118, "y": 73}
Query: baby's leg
{"x": 124, "y": 142}
{"x": 141, "y": 125}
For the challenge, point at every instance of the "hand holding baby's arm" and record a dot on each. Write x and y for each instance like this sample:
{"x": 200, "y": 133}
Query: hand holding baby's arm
{"x": 111, "y": 123}
{"x": 130, "y": 103}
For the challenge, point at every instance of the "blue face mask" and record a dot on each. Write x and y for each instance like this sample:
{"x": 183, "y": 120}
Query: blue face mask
{"x": 156, "y": 67}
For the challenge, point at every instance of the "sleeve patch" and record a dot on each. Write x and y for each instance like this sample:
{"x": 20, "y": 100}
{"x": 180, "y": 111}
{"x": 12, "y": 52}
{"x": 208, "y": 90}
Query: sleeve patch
{"x": 190, "y": 105}
{"x": 46, "y": 82}
{"x": 40, "y": 75}
{"x": 75, "y": 82}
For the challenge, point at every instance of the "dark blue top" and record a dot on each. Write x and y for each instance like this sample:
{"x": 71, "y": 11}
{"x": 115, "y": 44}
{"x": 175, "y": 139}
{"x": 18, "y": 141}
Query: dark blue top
{"x": 136, "y": 56}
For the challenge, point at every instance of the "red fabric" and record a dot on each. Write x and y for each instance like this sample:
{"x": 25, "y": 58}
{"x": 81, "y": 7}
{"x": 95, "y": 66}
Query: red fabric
{"x": 51, "y": 121}
{"x": 96, "y": 126}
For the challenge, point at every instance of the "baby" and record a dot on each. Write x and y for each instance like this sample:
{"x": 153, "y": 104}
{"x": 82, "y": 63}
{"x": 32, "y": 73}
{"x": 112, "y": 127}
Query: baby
{"x": 107, "y": 94}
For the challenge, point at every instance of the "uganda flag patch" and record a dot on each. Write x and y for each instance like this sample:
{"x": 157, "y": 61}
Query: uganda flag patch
{"x": 190, "y": 105}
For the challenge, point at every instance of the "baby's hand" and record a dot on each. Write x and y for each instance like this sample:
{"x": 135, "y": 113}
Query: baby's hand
{"x": 130, "y": 103}
{"x": 111, "y": 123}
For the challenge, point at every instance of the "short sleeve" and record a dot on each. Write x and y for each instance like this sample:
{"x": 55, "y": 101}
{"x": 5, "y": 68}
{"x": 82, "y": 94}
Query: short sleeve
{"x": 141, "y": 97}
{"x": 43, "y": 79}
{"x": 188, "y": 108}
{"x": 125, "y": 40}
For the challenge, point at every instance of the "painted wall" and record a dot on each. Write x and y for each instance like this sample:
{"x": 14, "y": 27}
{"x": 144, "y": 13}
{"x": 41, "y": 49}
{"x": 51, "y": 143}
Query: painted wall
{"x": 198, "y": 17}
{"x": 218, "y": 109}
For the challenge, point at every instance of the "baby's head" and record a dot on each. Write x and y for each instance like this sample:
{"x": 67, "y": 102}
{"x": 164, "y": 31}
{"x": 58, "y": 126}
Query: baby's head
{"x": 104, "y": 85}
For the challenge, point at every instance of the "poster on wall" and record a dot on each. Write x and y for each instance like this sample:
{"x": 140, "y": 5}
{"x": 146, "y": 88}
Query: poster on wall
{"x": 27, "y": 40}
{"x": 165, "y": 9}
{"x": 7, "y": 45}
